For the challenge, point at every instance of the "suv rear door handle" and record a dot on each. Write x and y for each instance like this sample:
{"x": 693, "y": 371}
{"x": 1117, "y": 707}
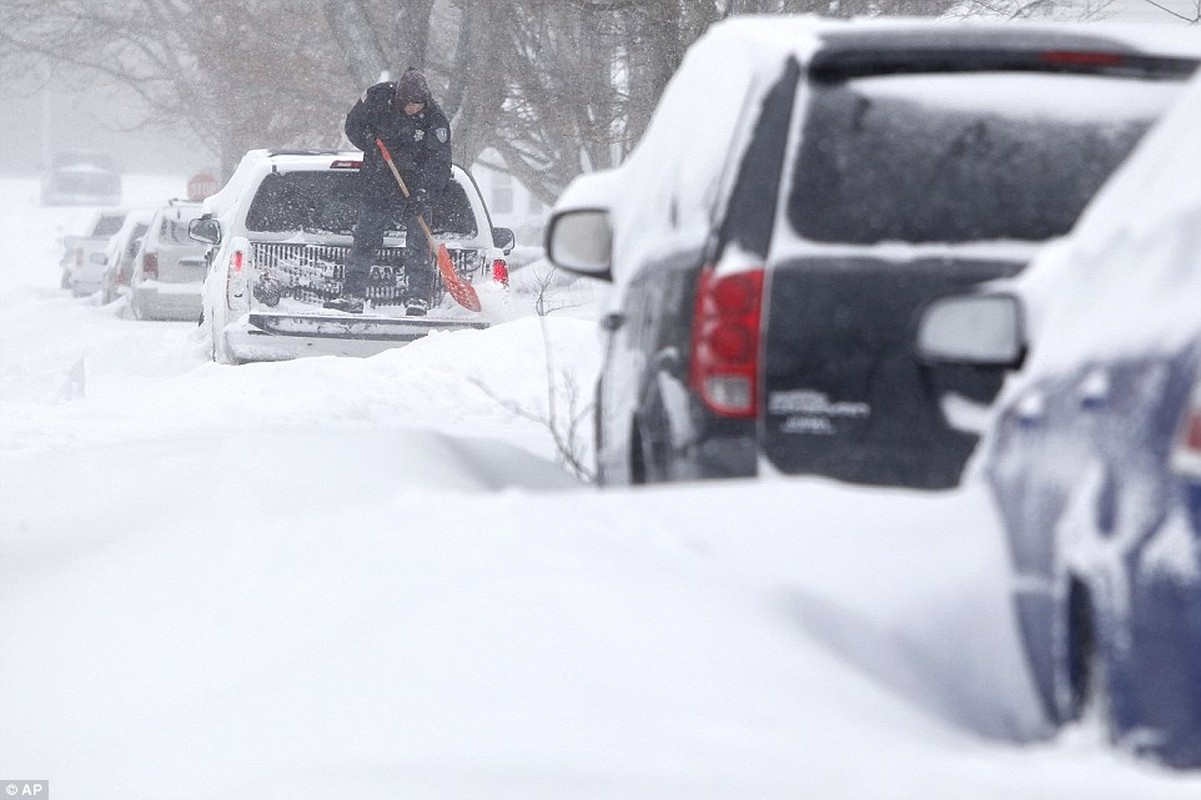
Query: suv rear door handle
{"x": 612, "y": 321}
{"x": 1094, "y": 390}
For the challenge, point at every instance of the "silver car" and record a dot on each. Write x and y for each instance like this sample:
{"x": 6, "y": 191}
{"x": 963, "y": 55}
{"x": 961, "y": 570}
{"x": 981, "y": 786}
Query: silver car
{"x": 121, "y": 253}
{"x": 83, "y": 257}
{"x": 169, "y": 273}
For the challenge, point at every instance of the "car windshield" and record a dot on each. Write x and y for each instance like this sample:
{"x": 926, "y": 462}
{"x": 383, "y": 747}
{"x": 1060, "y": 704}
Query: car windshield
{"x": 328, "y": 203}
{"x": 135, "y": 239}
{"x": 962, "y": 157}
{"x": 107, "y": 225}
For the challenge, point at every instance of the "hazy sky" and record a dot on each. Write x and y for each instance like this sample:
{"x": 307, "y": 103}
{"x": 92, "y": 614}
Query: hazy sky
{"x": 39, "y": 121}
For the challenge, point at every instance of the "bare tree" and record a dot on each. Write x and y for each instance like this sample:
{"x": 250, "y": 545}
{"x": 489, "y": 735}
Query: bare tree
{"x": 1192, "y": 15}
{"x": 554, "y": 87}
{"x": 238, "y": 73}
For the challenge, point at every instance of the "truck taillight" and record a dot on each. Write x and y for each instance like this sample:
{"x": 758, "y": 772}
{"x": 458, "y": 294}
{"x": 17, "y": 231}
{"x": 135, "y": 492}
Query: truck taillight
{"x": 236, "y": 295}
{"x": 725, "y": 341}
{"x": 150, "y": 265}
{"x": 500, "y": 272}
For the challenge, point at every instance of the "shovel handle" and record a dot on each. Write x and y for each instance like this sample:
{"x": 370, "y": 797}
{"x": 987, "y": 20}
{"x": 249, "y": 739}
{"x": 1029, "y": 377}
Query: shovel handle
{"x": 383, "y": 149}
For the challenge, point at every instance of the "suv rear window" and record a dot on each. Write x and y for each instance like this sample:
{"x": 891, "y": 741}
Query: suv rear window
{"x": 962, "y": 157}
{"x": 328, "y": 203}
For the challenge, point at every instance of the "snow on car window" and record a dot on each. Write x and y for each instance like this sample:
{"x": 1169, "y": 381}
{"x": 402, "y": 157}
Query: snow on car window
{"x": 962, "y": 158}
{"x": 328, "y": 203}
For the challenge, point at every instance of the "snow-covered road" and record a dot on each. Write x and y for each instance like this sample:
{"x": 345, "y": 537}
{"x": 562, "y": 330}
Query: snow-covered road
{"x": 371, "y": 578}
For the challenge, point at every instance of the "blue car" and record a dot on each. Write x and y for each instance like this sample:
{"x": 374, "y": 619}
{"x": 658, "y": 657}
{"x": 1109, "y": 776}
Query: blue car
{"x": 1094, "y": 449}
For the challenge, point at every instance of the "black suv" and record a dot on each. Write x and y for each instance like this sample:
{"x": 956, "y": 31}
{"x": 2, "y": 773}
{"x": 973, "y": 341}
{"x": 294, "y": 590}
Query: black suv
{"x": 767, "y": 323}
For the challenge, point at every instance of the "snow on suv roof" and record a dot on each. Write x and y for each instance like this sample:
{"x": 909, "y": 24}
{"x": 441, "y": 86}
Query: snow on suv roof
{"x": 773, "y": 36}
{"x": 725, "y": 75}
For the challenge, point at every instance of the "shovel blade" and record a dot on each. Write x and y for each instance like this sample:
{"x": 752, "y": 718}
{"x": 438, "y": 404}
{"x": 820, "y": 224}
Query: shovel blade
{"x": 462, "y": 291}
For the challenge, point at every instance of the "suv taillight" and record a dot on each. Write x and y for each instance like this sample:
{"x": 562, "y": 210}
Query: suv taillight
{"x": 725, "y": 341}
{"x": 1186, "y": 454}
{"x": 150, "y": 265}
{"x": 500, "y": 272}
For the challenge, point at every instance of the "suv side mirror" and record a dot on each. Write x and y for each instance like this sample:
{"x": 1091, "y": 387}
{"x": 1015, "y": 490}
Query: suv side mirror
{"x": 581, "y": 241}
{"x": 504, "y": 238}
{"x": 205, "y": 229}
{"x": 980, "y": 330}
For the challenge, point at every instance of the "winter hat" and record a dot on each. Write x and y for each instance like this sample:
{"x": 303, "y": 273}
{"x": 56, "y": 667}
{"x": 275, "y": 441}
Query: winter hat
{"x": 412, "y": 88}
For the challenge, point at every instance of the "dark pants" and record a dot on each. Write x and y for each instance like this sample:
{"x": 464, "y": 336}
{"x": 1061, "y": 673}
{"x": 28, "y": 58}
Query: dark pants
{"x": 374, "y": 217}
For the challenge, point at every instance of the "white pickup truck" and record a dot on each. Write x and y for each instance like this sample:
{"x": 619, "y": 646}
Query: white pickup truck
{"x": 83, "y": 257}
{"x": 279, "y": 232}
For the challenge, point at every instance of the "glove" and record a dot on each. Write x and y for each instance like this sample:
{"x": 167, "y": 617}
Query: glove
{"x": 420, "y": 200}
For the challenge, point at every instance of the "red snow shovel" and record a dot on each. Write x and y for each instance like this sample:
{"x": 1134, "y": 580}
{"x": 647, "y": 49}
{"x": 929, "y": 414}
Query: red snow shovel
{"x": 462, "y": 291}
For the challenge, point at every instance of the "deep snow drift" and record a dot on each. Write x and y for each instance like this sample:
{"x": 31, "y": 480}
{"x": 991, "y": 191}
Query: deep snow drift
{"x": 371, "y": 578}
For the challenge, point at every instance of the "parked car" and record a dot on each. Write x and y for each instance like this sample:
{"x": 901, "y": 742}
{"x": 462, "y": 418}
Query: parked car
{"x": 1094, "y": 456}
{"x": 78, "y": 178}
{"x": 168, "y": 274}
{"x": 83, "y": 259}
{"x": 768, "y": 273}
{"x": 279, "y": 232}
{"x": 119, "y": 256}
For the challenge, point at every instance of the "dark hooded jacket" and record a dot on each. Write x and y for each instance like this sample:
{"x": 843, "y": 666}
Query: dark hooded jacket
{"x": 420, "y": 144}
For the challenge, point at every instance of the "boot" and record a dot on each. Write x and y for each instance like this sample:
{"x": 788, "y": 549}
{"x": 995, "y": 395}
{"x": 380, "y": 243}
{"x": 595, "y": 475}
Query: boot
{"x": 416, "y": 307}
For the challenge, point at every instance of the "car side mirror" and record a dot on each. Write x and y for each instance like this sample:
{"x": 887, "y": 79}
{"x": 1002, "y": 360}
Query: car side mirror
{"x": 205, "y": 230}
{"x": 981, "y": 330}
{"x": 581, "y": 241}
{"x": 504, "y": 238}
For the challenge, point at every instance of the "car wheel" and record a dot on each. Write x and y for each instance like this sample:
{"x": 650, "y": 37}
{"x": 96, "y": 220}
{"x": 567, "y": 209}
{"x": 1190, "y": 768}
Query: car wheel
{"x": 1084, "y": 677}
{"x": 637, "y": 457}
{"x": 217, "y": 350}
{"x": 1078, "y": 659}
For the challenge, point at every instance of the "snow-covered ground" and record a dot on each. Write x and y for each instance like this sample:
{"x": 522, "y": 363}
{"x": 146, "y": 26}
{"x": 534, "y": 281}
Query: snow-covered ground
{"x": 371, "y": 578}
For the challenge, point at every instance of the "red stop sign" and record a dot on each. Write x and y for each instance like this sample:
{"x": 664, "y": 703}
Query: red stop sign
{"x": 201, "y": 185}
